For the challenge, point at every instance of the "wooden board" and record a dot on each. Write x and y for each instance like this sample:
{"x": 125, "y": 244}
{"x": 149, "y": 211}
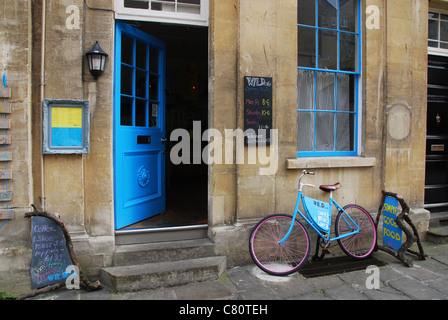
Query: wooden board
{"x": 5, "y": 108}
{"x": 5, "y": 156}
{"x": 7, "y": 214}
{"x": 5, "y": 124}
{"x": 5, "y": 92}
{"x": 5, "y": 195}
{"x": 5, "y": 174}
{"x": 5, "y": 139}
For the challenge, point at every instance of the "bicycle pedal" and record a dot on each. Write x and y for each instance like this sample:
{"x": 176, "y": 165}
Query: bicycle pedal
{"x": 326, "y": 250}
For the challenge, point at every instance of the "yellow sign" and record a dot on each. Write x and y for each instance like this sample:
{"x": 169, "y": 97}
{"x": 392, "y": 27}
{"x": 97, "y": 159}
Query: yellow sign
{"x": 66, "y": 117}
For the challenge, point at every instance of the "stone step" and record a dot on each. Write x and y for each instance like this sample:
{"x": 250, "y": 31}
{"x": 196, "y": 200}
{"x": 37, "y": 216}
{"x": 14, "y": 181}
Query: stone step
{"x": 438, "y": 219}
{"x": 162, "y": 274}
{"x": 163, "y": 251}
{"x": 437, "y": 235}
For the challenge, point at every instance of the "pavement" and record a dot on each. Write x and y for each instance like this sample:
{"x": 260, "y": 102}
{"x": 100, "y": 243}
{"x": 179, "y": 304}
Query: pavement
{"x": 426, "y": 280}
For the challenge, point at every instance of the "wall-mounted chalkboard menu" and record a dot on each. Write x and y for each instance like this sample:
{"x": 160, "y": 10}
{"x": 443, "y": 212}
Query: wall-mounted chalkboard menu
{"x": 50, "y": 257}
{"x": 257, "y": 110}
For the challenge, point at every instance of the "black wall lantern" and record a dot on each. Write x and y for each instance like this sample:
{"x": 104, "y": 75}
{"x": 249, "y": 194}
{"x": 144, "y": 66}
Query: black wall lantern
{"x": 97, "y": 60}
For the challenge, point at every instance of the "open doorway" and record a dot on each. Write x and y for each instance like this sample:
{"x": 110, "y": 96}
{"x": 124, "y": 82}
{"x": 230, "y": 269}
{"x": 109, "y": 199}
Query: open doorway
{"x": 186, "y": 100}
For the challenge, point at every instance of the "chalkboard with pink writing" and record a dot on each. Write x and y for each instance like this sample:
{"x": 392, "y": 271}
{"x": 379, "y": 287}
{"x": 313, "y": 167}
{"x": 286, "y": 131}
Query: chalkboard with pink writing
{"x": 50, "y": 257}
{"x": 257, "y": 110}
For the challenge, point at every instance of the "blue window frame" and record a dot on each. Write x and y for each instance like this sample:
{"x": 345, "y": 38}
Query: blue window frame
{"x": 329, "y": 63}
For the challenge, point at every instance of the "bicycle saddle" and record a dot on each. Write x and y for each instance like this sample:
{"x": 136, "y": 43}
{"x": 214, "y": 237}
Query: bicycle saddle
{"x": 331, "y": 188}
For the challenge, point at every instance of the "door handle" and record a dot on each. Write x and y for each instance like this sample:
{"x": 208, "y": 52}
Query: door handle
{"x": 163, "y": 140}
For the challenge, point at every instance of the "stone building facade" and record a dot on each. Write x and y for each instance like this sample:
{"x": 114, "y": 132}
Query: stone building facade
{"x": 376, "y": 51}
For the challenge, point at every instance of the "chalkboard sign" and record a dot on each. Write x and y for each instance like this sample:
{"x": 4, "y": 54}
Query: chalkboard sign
{"x": 50, "y": 257}
{"x": 257, "y": 110}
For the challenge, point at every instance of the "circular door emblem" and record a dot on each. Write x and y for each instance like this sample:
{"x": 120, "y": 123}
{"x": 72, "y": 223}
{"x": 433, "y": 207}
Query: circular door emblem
{"x": 143, "y": 177}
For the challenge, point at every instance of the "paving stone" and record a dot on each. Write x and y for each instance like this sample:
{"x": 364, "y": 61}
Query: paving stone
{"x": 416, "y": 289}
{"x": 292, "y": 288}
{"x": 385, "y": 293}
{"x": 243, "y": 280}
{"x": 420, "y": 273}
{"x": 263, "y": 294}
{"x": 310, "y": 296}
{"x": 440, "y": 285}
{"x": 160, "y": 294}
{"x": 210, "y": 290}
{"x": 344, "y": 292}
{"x": 326, "y": 282}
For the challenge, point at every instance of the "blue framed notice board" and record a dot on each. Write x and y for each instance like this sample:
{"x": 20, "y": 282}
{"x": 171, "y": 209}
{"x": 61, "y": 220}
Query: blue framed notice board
{"x": 66, "y": 126}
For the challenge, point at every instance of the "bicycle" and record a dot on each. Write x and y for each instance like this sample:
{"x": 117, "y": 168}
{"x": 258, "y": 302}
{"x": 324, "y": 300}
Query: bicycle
{"x": 280, "y": 244}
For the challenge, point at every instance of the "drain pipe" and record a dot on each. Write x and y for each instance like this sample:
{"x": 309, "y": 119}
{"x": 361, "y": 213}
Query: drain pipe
{"x": 42, "y": 96}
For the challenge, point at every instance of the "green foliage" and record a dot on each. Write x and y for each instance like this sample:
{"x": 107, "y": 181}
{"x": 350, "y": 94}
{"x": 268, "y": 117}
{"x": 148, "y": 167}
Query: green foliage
{"x": 5, "y": 296}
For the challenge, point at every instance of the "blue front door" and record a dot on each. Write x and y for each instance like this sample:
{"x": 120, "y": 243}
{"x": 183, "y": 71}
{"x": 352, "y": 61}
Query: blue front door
{"x": 139, "y": 126}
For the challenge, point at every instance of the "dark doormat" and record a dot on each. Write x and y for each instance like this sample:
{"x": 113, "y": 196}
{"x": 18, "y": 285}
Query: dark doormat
{"x": 331, "y": 266}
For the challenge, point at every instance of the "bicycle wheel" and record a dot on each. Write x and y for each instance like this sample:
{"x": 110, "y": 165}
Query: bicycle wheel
{"x": 361, "y": 245}
{"x": 272, "y": 257}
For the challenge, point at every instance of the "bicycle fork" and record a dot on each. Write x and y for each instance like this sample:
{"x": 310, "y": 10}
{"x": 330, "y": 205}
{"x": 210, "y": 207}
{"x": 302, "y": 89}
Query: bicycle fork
{"x": 292, "y": 222}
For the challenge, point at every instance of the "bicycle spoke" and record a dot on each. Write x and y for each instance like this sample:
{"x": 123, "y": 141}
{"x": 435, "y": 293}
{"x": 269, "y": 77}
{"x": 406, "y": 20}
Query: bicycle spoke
{"x": 359, "y": 245}
{"x": 276, "y": 258}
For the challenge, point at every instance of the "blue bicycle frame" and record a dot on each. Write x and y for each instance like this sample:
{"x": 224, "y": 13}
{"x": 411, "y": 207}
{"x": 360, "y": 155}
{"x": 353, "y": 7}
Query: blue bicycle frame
{"x": 318, "y": 216}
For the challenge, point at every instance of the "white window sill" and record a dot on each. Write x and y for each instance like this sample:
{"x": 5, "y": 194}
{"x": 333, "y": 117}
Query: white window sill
{"x": 330, "y": 162}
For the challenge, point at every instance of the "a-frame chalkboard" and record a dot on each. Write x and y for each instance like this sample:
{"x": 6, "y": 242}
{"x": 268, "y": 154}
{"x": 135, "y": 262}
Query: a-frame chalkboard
{"x": 52, "y": 250}
{"x": 50, "y": 257}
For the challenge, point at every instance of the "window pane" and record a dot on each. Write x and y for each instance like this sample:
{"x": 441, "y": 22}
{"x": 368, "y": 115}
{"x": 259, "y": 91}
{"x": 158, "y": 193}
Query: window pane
{"x": 346, "y": 92}
{"x": 126, "y": 80}
{"x": 306, "y": 12}
{"x": 345, "y": 132}
{"x": 305, "y": 135}
{"x": 348, "y": 15}
{"x": 126, "y": 111}
{"x": 433, "y": 15}
{"x": 127, "y": 50}
{"x": 153, "y": 87}
{"x": 433, "y": 32}
{"x": 433, "y": 44}
{"x": 443, "y": 31}
{"x": 348, "y": 51}
{"x": 328, "y": 50}
{"x": 306, "y": 89}
{"x": 307, "y": 47}
{"x": 154, "y": 115}
{"x": 141, "y": 83}
{"x": 325, "y": 131}
{"x": 141, "y": 55}
{"x": 196, "y": 2}
{"x": 189, "y": 6}
{"x": 325, "y": 93}
{"x": 328, "y": 13}
{"x": 163, "y": 5}
{"x": 140, "y": 112}
{"x": 154, "y": 60}
{"x": 139, "y": 4}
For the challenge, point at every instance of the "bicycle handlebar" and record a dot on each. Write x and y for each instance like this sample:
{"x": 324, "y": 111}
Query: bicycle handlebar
{"x": 304, "y": 173}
